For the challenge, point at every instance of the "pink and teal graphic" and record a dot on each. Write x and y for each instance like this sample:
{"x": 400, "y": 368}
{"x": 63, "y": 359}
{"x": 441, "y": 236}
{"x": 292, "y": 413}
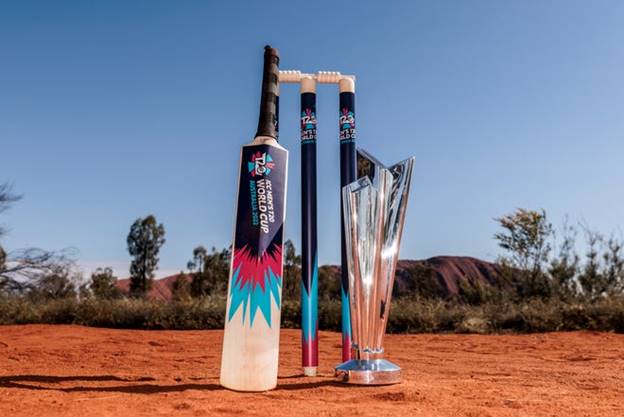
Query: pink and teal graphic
{"x": 256, "y": 275}
{"x": 309, "y": 319}
{"x": 346, "y": 326}
{"x": 255, "y": 281}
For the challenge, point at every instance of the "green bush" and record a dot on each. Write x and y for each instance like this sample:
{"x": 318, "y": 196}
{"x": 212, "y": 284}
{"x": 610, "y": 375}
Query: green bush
{"x": 407, "y": 315}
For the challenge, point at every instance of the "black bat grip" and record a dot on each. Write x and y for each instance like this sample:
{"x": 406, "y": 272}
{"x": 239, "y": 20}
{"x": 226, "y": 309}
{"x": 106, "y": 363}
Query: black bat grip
{"x": 267, "y": 124}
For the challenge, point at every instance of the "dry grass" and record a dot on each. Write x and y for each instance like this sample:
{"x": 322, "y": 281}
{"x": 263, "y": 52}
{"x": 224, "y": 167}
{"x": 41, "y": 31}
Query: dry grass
{"x": 407, "y": 315}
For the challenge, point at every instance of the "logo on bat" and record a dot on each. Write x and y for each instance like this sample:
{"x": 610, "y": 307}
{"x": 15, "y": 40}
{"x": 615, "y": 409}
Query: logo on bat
{"x": 261, "y": 164}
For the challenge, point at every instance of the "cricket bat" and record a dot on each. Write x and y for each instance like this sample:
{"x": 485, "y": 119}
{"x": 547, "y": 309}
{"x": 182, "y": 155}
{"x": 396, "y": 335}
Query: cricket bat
{"x": 249, "y": 360}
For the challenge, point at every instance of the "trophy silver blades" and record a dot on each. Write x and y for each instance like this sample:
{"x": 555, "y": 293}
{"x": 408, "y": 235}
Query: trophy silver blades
{"x": 374, "y": 214}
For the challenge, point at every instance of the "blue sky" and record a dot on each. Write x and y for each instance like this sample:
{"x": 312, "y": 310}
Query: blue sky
{"x": 114, "y": 110}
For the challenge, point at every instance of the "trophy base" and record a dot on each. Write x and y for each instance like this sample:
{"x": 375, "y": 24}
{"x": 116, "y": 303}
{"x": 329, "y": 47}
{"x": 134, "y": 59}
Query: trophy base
{"x": 368, "y": 372}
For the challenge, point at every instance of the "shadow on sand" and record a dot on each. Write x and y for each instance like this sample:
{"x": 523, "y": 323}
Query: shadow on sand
{"x": 133, "y": 385}
{"x": 22, "y": 382}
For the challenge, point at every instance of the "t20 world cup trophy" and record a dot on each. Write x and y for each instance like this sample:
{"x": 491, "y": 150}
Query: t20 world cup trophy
{"x": 374, "y": 213}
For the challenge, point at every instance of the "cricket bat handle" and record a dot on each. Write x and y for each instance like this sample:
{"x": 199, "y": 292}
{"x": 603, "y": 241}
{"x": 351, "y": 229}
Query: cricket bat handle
{"x": 267, "y": 123}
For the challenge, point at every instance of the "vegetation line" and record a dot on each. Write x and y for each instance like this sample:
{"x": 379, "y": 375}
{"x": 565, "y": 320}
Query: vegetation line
{"x": 540, "y": 283}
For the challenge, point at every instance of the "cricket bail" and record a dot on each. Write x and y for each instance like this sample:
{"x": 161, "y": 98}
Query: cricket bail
{"x": 267, "y": 123}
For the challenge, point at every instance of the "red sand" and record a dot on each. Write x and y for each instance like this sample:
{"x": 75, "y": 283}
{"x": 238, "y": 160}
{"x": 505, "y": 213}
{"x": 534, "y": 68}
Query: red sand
{"x": 80, "y": 371}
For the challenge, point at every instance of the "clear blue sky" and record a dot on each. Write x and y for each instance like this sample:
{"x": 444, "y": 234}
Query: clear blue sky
{"x": 112, "y": 110}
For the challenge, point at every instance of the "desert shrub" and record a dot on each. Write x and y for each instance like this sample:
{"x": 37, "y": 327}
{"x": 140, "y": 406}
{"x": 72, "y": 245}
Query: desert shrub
{"x": 474, "y": 324}
{"x": 329, "y": 282}
{"x": 103, "y": 284}
{"x": 423, "y": 315}
{"x": 204, "y": 313}
{"x": 59, "y": 311}
{"x": 291, "y": 314}
{"x": 615, "y": 319}
{"x": 210, "y": 271}
{"x": 14, "y": 310}
{"x": 477, "y": 293}
{"x": 329, "y": 314}
{"x": 55, "y": 286}
{"x": 541, "y": 316}
{"x": 181, "y": 288}
{"x": 407, "y": 315}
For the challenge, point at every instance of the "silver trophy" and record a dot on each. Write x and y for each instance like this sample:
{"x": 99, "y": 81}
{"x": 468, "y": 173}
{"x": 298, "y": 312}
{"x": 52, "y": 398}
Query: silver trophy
{"x": 374, "y": 212}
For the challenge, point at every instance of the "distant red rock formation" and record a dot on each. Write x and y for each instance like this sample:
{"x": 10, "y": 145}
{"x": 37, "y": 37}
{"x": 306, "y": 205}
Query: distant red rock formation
{"x": 161, "y": 288}
{"x": 449, "y": 271}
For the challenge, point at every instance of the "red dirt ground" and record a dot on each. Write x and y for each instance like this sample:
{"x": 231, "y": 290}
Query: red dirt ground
{"x": 81, "y": 371}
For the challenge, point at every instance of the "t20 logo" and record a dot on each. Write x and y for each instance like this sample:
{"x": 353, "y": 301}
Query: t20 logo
{"x": 261, "y": 164}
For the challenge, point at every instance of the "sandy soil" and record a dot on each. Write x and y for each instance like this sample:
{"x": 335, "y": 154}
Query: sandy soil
{"x": 79, "y": 371}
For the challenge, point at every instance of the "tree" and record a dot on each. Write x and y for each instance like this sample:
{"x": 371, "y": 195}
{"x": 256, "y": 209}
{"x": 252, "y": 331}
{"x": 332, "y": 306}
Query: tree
{"x": 104, "y": 284}
{"x": 199, "y": 258}
{"x": 3, "y": 257}
{"x": 603, "y": 272}
{"x": 525, "y": 238}
{"x": 6, "y": 199}
{"x": 292, "y": 272}
{"x": 144, "y": 242}
{"x": 613, "y": 259}
{"x": 22, "y": 270}
{"x": 212, "y": 278}
{"x": 590, "y": 279}
{"x": 564, "y": 266}
{"x": 57, "y": 285}
{"x": 329, "y": 286}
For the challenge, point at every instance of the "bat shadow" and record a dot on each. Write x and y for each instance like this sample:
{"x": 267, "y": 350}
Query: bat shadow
{"x": 135, "y": 385}
{"x": 138, "y": 385}
{"x": 294, "y": 386}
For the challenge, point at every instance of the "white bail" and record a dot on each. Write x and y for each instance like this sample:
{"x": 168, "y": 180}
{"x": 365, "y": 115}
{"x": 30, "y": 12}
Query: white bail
{"x": 346, "y": 82}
